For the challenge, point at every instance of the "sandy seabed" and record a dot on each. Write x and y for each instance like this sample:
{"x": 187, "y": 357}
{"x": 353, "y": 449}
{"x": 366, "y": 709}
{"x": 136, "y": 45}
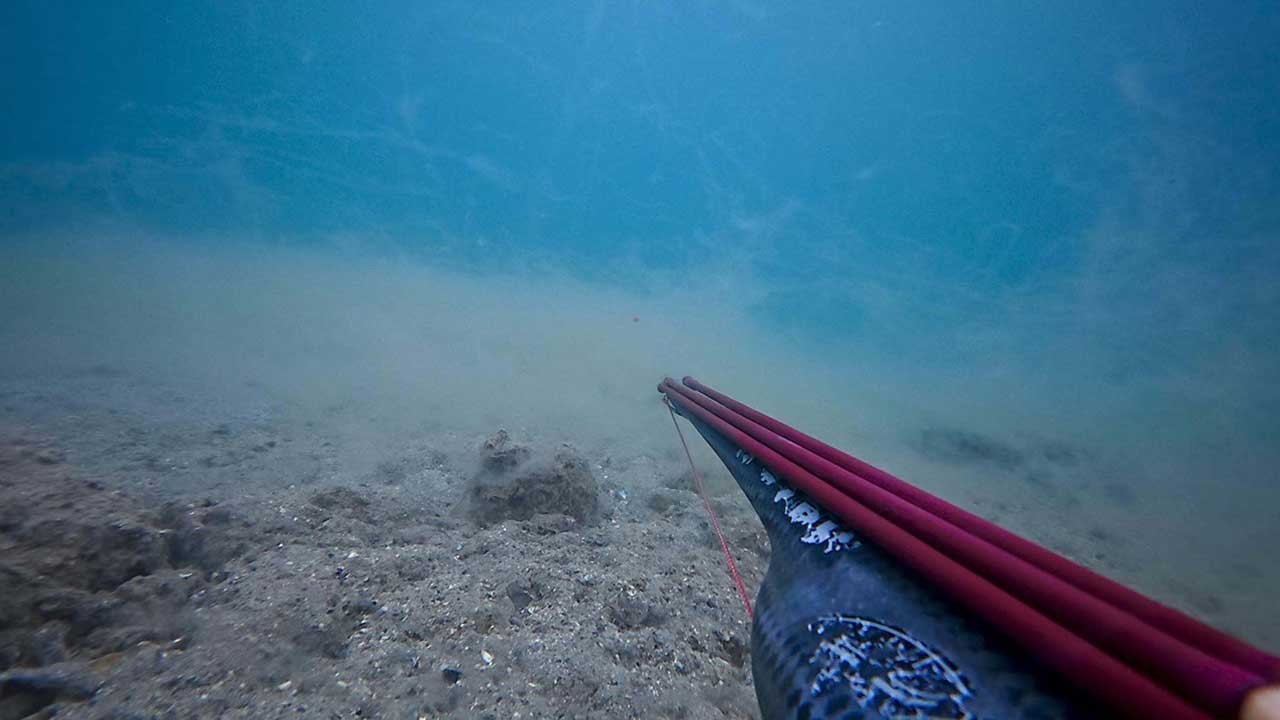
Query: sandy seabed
{"x": 170, "y": 553}
{"x": 209, "y": 564}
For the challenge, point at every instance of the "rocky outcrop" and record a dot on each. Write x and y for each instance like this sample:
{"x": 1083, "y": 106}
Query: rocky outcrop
{"x": 516, "y": 483}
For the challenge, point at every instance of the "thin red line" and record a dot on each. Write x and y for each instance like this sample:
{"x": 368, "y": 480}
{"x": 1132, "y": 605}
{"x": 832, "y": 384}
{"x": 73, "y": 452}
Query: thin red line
{"x": 715, "y": 522}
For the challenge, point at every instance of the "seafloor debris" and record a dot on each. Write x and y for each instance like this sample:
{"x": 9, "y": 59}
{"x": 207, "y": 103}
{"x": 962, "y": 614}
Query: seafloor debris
{"x": 514, "y": 483}
{"x": 334, "y": 597}
{"x": 87, "y": 574}
{"x": 24, "y": 691}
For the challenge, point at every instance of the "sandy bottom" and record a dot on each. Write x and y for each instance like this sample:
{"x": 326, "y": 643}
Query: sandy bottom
{"x": 169, "y": 554}
{"x": 221, "y": 564}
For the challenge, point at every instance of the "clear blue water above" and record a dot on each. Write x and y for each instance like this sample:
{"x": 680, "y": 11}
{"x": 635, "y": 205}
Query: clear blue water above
{"x": 943, "y": 155}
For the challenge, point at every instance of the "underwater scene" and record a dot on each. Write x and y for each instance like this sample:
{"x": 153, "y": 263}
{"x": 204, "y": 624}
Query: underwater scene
{"x": 331, "y": 337}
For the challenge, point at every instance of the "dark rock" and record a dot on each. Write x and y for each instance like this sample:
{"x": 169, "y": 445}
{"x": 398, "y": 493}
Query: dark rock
{"x": 25, "y": 691}
{"x": 63, "y": 604}
{"x": 451, "y": 675}
{"x": 116, "y": 639}
{"x": 121, "y": 551}
{"x": 512, "y": 485}
{"x": 84, "y": 612}
{"x": 62, "y": 545}
{"x": 191, "y": 544}
{"x": 500, "y": 455}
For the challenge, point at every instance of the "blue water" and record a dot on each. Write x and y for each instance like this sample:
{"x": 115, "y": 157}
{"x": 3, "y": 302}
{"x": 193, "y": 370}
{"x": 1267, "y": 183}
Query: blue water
{"x": 1049, "y": 220}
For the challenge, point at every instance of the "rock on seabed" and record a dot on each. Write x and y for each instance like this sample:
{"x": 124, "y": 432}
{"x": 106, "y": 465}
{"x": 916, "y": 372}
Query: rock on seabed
{"x": 514, "y": 483}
